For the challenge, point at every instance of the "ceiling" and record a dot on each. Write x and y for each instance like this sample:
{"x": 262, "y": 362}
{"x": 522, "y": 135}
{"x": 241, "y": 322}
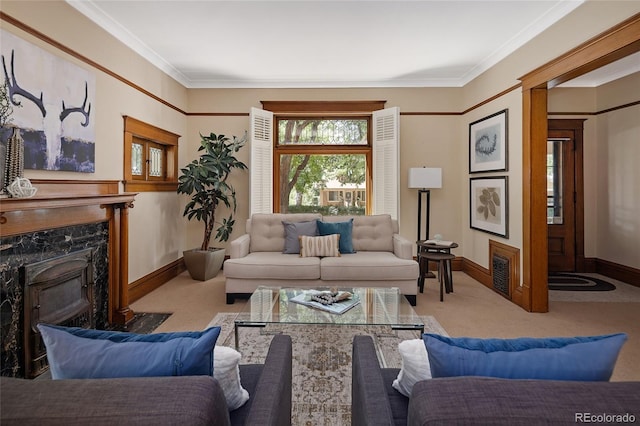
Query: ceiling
{"x": 319, "y": 44}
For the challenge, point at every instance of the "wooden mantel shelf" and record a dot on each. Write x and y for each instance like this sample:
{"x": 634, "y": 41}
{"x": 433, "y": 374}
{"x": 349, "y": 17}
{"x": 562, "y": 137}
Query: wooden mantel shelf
{"x": 36, "y": 203}
{"x": 61, "y": 203}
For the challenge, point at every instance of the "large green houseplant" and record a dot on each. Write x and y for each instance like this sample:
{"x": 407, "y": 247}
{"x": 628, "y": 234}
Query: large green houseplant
{"x": 205, "y": 181}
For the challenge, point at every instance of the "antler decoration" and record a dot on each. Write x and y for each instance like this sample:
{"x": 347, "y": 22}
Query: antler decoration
{"x": 66, "y": 111}
{"x": 14, "y": 89}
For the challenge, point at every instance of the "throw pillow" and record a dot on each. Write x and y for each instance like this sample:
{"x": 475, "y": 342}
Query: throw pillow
{"x": 345, "y": 229}
{"x": 78, "y": 353}
{"x": 323, "y": 246}
{"x": 292, "y": 232}
{"x": 415, "y": 366}
{"x": 589, "y": 358}
{"x": 227, "y": 372}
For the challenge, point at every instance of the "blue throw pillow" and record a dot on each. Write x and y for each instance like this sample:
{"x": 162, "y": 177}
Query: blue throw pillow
{"x": 345, "y": 229}
{"x": 79, "y": 353}
{"x": 589, "y": 358}
{"x": 292, "y": 232}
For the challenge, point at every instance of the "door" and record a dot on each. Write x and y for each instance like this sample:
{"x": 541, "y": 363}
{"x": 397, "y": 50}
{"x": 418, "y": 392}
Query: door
{"x": 561, "y": 200}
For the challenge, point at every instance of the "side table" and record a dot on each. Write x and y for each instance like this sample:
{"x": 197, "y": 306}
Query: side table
{"x": 436, "y": 251}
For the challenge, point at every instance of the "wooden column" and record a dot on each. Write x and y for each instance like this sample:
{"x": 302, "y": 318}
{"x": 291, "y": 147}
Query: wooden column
{"x": 122, "y": 314}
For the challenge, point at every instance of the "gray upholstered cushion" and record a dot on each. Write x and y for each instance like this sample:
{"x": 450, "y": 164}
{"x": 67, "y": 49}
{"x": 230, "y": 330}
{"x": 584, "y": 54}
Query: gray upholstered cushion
{"x": 294, "y": 230}
{"x": 186, "y": 400}
{"x": 482, "y": 401}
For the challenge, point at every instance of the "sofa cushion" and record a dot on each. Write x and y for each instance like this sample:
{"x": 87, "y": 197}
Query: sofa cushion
{"x": 492, "y": 401}
{"x": 589, "y": 358}
{"x": 370, "y": 233}
{"x": 157, "y": 401}
{"x": 321, "y": 246}
{"x": 415, "y": 366}
{"x": 267, "y": 231}
{"x": 368, "y": 266}
{"x": 78, "y": 353}
{"x": 293, "y": 231}
{"x": 344, "y": 229}
{"x": 273, "y": 265}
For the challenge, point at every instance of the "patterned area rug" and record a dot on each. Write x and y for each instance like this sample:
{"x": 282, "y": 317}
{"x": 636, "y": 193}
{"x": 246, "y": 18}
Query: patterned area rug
{"x": 321, "y": 362}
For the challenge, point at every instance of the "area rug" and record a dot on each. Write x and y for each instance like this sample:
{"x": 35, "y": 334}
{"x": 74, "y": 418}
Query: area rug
{"x": 321, "y": 388}
{"x": 576, "y": 282}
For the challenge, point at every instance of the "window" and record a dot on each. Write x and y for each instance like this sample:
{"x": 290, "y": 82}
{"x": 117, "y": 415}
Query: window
{"x": 150, "y": 157}
{"x": 329, "y": 157}
{"x": 315, "y": 156}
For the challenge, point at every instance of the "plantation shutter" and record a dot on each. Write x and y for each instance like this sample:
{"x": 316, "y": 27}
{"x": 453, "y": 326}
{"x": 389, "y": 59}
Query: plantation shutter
{"x": 261, "y": 162}
{"x": 386, "y": 161}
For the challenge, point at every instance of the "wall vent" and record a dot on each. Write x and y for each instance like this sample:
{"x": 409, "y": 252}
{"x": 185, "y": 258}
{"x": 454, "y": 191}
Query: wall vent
{"x": 501, "y": 274}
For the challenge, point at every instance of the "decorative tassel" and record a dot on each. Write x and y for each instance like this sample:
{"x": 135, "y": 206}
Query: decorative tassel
{"x": 14, "y": 166}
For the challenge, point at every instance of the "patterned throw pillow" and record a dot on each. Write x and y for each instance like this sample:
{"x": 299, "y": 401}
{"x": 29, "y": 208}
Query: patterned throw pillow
{"x": 323, "y": 246}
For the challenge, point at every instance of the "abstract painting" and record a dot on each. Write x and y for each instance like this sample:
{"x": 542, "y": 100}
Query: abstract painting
{"x": 488, "y": 143}
{"x": 52, "y": 106}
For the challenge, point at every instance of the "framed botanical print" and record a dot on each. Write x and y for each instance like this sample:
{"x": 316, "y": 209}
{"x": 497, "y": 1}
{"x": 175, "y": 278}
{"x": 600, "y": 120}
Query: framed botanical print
{"x": 488, "y": 143}
{"x": 489, "y": 205}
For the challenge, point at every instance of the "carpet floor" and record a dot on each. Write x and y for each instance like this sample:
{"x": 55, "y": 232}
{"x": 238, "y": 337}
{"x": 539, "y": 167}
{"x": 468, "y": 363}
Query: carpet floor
{"x": 321, "y": 388}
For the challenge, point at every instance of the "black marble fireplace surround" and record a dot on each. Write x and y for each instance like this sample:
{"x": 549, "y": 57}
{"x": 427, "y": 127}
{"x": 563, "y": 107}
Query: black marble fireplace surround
{"x": 20, "y": 250}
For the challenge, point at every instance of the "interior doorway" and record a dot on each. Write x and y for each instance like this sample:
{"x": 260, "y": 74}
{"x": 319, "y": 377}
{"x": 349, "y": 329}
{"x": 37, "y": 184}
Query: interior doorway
{"x": 565, "y": 195}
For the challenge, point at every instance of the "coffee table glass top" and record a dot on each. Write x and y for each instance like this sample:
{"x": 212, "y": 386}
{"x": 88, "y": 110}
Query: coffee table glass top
{"x": 378, "y": 306}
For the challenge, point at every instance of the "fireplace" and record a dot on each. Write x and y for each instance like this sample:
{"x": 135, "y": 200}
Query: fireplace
{"x": 56, "y": 291}
{"x": 63, "y": 260}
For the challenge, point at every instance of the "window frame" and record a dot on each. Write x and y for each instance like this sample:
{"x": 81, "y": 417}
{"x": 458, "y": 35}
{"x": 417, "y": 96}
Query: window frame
{"x": 136, "y": 131}
{"x": 287, "y": 110}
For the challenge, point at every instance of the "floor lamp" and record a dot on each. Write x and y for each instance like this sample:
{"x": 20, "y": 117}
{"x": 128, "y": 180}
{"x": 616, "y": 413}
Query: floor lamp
{"x": 424, "y": 179}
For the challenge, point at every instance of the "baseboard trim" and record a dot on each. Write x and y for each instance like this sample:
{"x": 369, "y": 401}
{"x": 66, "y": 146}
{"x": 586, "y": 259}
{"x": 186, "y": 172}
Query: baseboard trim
{"x": 619, "y": 272}
{"x": 477, "y": 272}
{"x": 155, "y": 279}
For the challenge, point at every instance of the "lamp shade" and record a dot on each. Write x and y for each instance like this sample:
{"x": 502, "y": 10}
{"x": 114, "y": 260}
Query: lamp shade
{"x": 425, "y": 177}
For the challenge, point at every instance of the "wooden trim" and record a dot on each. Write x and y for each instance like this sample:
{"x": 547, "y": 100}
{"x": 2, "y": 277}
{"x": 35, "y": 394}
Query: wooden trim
{"x": 62, "y": 188}
{"x": 619, "y": 272}
{"x": 149, "y": 131}
{"x": 619, "y": 41}
{"x": 307, "y": 107}
{"x": 146, "y": 186}
{"x": 512, "y": 254}
{"x": 145, "y": 285}
{"x": 136, "y": 131}
{"x": 609, "y": 46}
{"x": 477, "y": 272}
{"x": 493, "y": 98}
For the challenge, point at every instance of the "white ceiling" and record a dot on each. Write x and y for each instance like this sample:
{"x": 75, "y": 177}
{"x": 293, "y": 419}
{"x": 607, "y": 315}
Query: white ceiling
{"x": 332, "y": 43}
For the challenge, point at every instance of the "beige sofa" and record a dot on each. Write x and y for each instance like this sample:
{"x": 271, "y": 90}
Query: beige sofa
{"x": 383, "y": 258}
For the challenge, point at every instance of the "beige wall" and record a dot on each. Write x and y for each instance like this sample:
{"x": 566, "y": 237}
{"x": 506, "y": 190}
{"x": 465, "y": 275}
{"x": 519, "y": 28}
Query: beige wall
{"x": 157, "y": 235}
{"x": 158, "y": 231}
{"x": 611, "y": 175}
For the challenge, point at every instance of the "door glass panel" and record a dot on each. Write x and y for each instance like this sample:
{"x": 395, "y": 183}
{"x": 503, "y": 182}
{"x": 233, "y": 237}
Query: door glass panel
{"x": 554, "y": 182}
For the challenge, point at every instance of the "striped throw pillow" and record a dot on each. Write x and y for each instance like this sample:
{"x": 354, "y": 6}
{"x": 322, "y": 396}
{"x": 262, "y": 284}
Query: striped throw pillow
{"x": 323, "y": 246}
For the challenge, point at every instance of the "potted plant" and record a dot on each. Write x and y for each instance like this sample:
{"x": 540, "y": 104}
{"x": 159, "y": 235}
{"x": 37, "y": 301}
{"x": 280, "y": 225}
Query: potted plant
{"x": 205, "y": 180}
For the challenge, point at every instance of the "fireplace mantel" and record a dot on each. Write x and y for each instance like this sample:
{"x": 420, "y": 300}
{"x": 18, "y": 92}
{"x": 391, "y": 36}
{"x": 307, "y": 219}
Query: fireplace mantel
{"x": 60, "y": 203}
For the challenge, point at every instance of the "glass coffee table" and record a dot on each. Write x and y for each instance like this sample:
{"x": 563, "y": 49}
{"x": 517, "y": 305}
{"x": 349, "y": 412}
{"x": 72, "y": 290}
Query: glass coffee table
{"x": 377, "y": 306}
